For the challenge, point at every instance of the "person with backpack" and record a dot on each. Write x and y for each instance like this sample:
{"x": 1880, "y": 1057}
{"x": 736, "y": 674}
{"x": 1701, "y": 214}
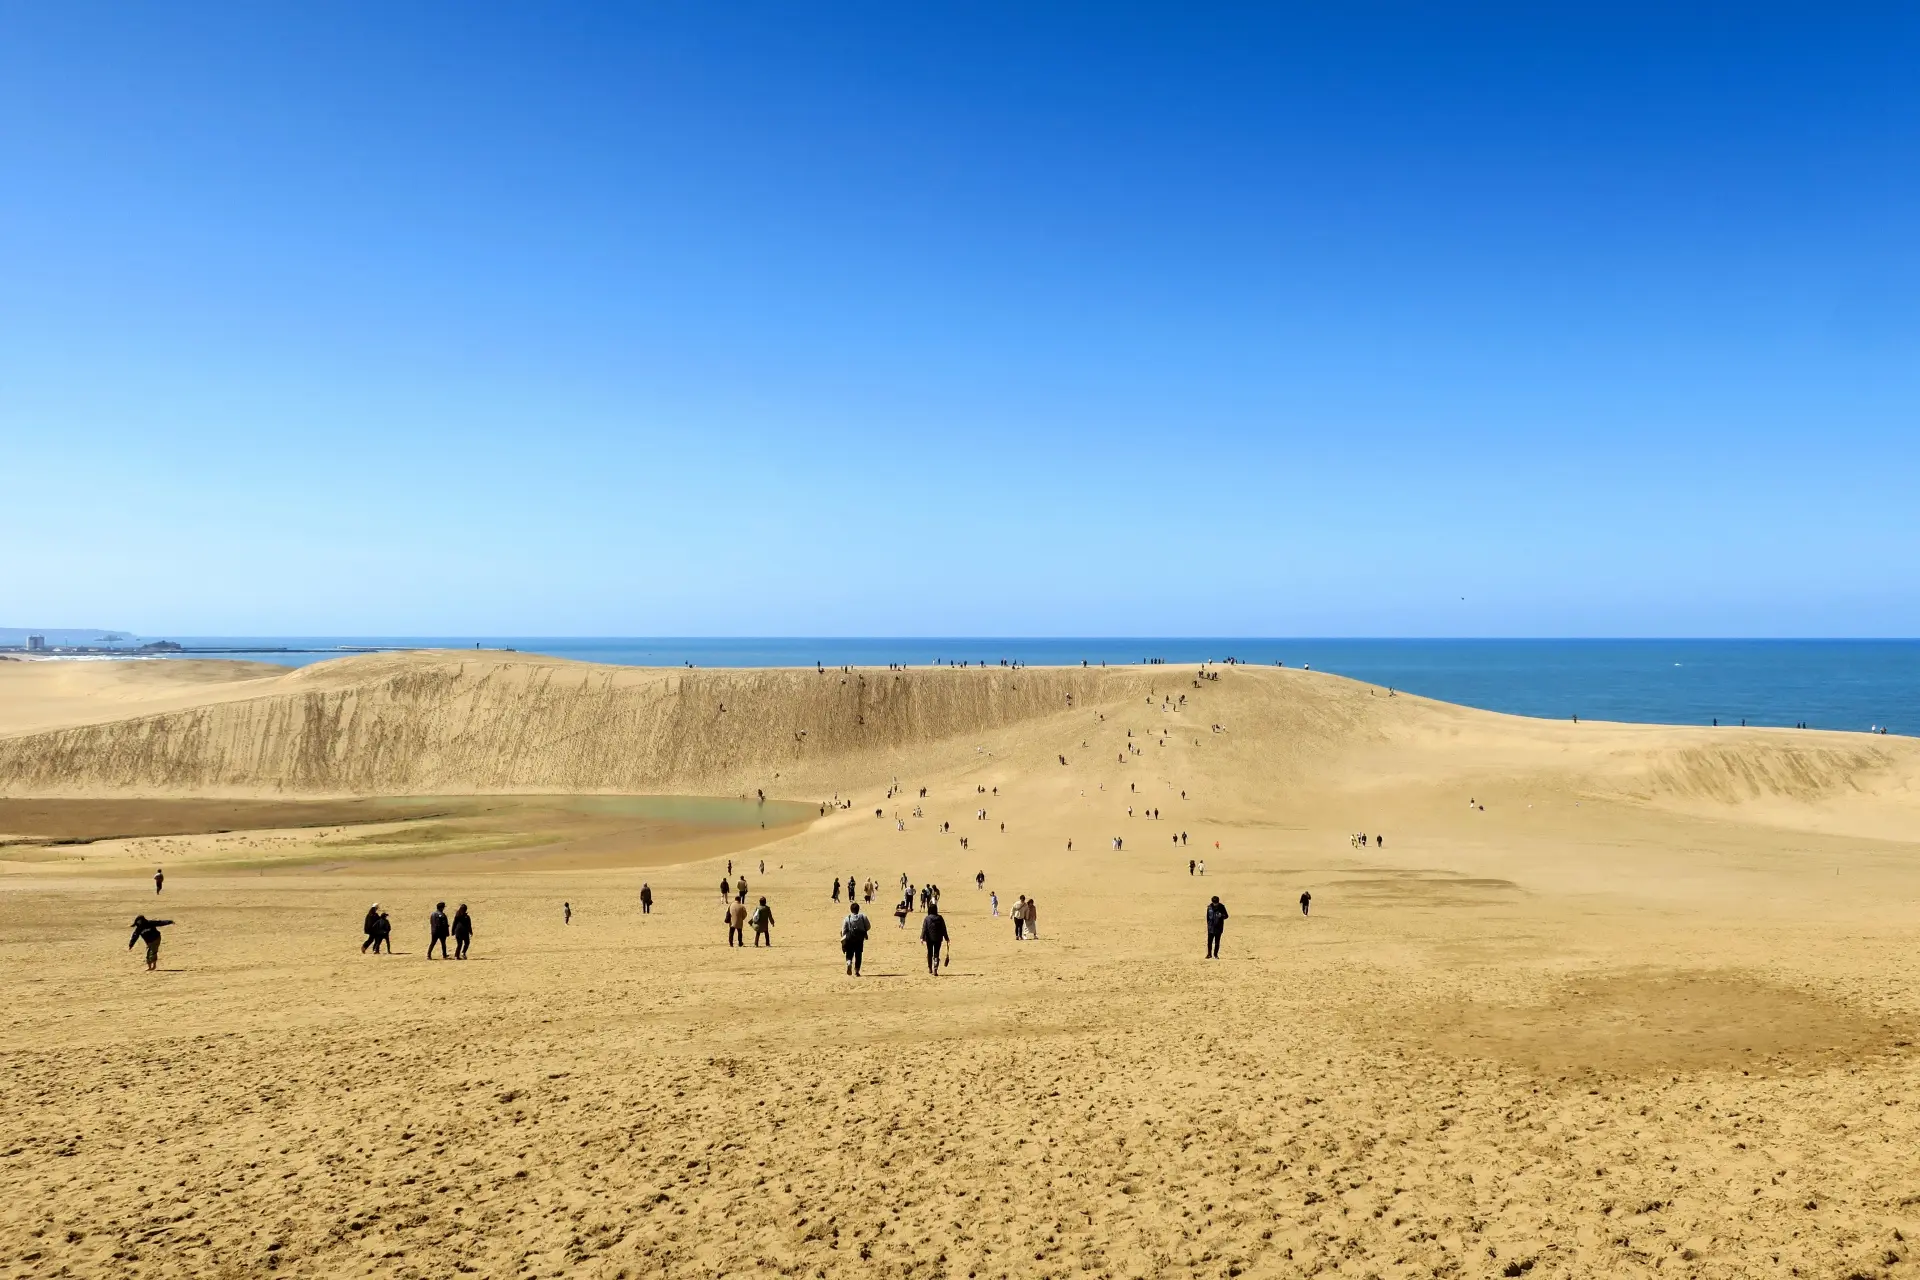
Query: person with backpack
{"x": 853, "y": 938}
{"x": 1216, "y": 925}
{"x": 762, "y": 921}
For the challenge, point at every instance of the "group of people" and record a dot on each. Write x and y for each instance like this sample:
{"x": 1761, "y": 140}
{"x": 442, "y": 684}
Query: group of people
{"x": 1359, "y": 840}
{"x": 854, "y": 929}
{"x": 441, "y": 928}
{"x": 928, "y": 896}
{"x": 737, "y": 919}
{"x": 858, "y": 926}
{"x": 1026, "y": 919}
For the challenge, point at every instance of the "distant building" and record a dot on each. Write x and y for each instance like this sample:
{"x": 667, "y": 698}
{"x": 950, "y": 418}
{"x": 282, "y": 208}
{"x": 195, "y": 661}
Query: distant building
{"x": 36, "y": 643}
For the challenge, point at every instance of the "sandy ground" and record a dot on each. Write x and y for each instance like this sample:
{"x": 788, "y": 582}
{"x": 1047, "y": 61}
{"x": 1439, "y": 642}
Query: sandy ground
{"x": 1647, "y": 1005}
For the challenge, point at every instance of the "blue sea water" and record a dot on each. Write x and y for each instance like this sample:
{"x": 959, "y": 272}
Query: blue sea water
{"x": 1826, "y": 684}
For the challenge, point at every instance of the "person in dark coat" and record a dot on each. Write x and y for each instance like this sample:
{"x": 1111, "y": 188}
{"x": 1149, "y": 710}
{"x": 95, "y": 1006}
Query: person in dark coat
{"x": 372, "y": 926}
{"x": 933, "y": 932}
{"x": 462, "y": 933}
{"x": 1216, "y": 925}
{"x": 646, "y": 899}
{"x": 148, "y": 931}
{"x": 853, "y": 938}
{"x": 437, "y": 930}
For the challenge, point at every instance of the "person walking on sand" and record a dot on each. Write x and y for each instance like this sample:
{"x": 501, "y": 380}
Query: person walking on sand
{"x": 993, "y": 900}
{"x": 385, "y": 937}
{"x": 735, "y": 916}
{"x": 762, "y": 920}
{"x": 372, "y": 926}
{"x": 1020, "y": 919}
{"x": 148, "y": 931}
{"x": 159, "y": 879}
{"x": 437, "y": 930}
{"x": 566, "y": 913}
{"x": 836, "y": 888}
{"x": 1189, "y": 866}
{"x": 1216, "y": 925}
{"x": 462, "y": 933}
{"x": 1306, "y": 900}
{"x": 646, "y": 899}
{"x": 1033, "y": 919}
{"x": 933, "y": 932}
{"x": 726, "y": 890}
{"x": 853, "y": 938}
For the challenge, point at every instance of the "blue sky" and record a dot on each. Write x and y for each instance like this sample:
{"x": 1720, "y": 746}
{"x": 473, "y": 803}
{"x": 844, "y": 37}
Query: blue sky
{"x": 948, "y": 320}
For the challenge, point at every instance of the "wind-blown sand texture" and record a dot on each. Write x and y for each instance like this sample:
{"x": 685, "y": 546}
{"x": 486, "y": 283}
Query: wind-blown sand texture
{"x": 1647, "y": 1006}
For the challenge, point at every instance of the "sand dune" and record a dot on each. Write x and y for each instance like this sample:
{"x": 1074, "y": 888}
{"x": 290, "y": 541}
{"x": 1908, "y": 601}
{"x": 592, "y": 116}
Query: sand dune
{"x": 414, "y": 724}
{"x": 43, "y": 694}
{"x": 1647, "y": 1005}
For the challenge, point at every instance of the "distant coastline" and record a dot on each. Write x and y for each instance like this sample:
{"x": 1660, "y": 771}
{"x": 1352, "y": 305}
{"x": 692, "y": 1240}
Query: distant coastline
{"x": 169, "y": 649}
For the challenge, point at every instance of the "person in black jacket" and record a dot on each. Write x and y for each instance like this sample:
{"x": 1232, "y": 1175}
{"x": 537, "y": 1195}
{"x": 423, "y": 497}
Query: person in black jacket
{"x": 1216, "y": 925}
{"x": 853, "y": 938}
{"x": 148, "y": 931}
{"x": 462, "y": 933}
{"x": 437, "y": 930}
{"x": 646, "y": 899}
{"x": 933, "y": 932}
{"x": 372, "y": 926}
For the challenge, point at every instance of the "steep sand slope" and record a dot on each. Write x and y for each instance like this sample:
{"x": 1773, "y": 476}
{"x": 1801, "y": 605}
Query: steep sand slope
{"x": 417, "y": 723}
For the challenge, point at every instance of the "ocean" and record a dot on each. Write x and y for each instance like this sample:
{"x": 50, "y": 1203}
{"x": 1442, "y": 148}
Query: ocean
{"x": 1826, "y": 684}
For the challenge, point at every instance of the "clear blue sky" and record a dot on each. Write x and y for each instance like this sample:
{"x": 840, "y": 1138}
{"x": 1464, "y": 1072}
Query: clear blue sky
{"x": 409, "y": 318}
